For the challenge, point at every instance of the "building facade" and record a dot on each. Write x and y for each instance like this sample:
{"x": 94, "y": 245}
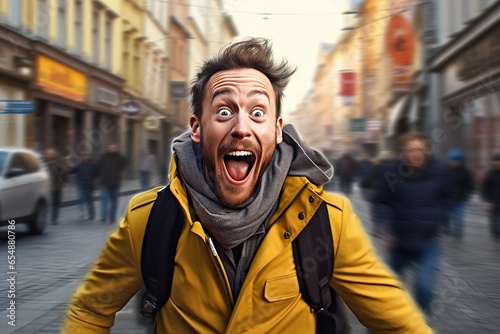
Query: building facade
{"x": 467, "y": 81}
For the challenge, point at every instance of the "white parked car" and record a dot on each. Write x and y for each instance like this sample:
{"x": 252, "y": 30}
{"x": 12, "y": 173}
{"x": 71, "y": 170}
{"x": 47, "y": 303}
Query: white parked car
{"x": 24, "y": 188}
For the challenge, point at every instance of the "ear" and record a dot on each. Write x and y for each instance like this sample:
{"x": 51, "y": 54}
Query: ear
{"x": 195, "y": 129}
{"x": 279, "y": 130}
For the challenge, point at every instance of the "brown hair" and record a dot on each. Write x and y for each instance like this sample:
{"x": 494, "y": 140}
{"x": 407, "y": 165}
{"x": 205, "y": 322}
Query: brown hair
{"x": 411, "y": 136}
{"x": 254, "y": 53}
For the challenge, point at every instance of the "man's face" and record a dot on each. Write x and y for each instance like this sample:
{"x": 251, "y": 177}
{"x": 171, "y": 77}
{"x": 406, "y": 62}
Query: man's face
{"x": 238, "y": 131}
{"x": 415, "y": 153}
{"x": 112, "y": 148}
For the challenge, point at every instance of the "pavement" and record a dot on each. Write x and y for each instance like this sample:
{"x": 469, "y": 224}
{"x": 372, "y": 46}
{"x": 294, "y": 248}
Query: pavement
{"x": 50, "y": 267}
{"x": 70, "y": 194}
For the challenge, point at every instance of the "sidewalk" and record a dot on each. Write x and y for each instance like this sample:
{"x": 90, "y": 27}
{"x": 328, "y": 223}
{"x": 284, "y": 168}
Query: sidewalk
{"x": 128, "y": 187}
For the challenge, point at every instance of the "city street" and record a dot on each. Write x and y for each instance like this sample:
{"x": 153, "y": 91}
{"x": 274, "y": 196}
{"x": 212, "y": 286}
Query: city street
{"x": 50, "y": 266}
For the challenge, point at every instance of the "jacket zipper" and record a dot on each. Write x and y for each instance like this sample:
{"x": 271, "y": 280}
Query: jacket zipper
{"x": 220, "y": 270}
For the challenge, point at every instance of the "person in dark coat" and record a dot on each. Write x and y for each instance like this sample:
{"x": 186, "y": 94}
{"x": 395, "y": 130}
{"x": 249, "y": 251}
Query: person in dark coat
{"x": 490, "y": 191}
{"x": 411, "y": 205}
{"x": 460, "y": 185}
{"x": 364, "y": 167}
{"x": 57, "y": 169}
{"x": 86, "y": 173}
{"x": 345, "y": 169}
{"x": 373, "y": 181}
{"x": 109, "y": 170}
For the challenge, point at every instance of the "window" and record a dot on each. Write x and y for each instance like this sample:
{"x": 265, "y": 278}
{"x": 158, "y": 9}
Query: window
{"x": 95, "y": 36}
{"x": 32, "y": 161}
{"x": 3, "y": 161}
{"x": 18, "y": 161}
{"x": 43, "y": 19}
{"x": 61, "y": 23}
{"x": 108, "y": 36}
{"x": 15, "y": 13}
{"x": 78, "y": 26}
{"x": 126, "y": 54}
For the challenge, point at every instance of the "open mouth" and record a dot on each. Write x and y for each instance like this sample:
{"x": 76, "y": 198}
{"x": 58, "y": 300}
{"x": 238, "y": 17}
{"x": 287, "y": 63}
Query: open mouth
{"x": 238, "y": 165}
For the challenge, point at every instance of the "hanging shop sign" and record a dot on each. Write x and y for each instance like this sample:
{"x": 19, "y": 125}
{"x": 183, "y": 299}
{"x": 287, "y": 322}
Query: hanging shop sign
{"x": 401, "y": 48}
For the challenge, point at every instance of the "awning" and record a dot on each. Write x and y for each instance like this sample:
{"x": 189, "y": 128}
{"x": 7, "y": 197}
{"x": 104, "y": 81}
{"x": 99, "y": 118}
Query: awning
{"x": 395, "y": 113}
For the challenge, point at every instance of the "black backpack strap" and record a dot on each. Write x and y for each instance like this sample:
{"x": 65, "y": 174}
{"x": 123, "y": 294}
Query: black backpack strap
{"x": 158, "y": 250}
{"x": 314, "y": 260}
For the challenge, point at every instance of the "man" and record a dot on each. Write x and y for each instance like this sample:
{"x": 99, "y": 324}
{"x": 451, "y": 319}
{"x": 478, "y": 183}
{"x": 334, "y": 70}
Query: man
{"x": 346, "y": 171}
{"x": 109, "y": 170}
{"x": 247, "y": 185}
{"x": 411, "y": 205}
{"x": 491, "y": 193}
{"x": 57, "y": 169}
{"x": 460, "y": 185}
{"x": 147, "y": 164}
{"x": 85, "y": 179}
{"x": 363, "y": 173}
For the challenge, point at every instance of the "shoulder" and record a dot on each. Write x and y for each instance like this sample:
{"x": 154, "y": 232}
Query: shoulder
{"x": 144, "y": 198}
{"x": 335, "y": 201}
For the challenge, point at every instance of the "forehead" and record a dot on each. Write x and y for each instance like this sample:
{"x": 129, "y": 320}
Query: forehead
{"x": 416, "y": 144}
{"x": 239, "y": 78}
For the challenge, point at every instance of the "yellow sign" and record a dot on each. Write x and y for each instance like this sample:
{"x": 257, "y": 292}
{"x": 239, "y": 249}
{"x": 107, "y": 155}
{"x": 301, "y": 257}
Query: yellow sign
{"x": 56, "y": 78}
{"x": 152, "y": 122}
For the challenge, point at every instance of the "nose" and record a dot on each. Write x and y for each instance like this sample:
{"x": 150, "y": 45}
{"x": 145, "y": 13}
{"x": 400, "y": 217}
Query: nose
{"x": 241, "y": 126}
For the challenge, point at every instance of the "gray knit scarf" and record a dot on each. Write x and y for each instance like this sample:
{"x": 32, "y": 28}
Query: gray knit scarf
{"x": 230, "y": 226}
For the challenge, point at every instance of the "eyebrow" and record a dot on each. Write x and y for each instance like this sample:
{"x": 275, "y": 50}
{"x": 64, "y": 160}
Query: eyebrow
{"x": 251, "y": 93}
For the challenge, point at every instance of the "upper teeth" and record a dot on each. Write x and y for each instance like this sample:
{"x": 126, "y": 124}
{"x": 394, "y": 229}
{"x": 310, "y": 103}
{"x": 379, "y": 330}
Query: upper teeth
{"x": 239, "y": 153}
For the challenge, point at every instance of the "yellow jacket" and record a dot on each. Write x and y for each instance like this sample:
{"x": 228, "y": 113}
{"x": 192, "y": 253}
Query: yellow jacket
{"x": 270, "y": 299}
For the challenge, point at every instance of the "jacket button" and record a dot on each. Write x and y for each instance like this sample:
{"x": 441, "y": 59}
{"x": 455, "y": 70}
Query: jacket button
{"x": 287, "y": 235}
{"x": 311, "y": 199}
{"x": 302, "y": 215}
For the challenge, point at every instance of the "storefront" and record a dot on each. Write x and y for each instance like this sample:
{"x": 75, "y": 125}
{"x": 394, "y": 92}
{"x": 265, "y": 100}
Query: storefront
{"x": 100, "y": 124}
{"x": 60, "y": 92}
{"x": 469, "y": 69}
{"x": 15, "y": 76}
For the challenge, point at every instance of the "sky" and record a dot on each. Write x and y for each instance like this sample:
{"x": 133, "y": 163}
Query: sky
{"x": 296, "y": 29}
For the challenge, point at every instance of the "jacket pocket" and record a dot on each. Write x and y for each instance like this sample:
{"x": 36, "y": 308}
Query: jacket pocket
{"x": 281, "y": 288}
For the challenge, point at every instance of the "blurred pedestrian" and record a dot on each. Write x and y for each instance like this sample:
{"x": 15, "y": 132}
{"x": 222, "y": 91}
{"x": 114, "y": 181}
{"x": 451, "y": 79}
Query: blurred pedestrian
{"x": 57, "y": 168}
{"x": 491, "y": 194}
{"x": 345, "y": 170}
{"x": 109, "y": 170}
{"x": 147, "y": 165}
{"x": 373, "y": 181}
{"x": 363, "y": 169}
{"x": 86, "y": 173}
{"x": 460, "y": 185}
{"x": 411, "y": 205}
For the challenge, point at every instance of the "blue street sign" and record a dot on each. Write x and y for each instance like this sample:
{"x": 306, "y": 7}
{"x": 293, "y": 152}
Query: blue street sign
{"x": 16, "y": 107}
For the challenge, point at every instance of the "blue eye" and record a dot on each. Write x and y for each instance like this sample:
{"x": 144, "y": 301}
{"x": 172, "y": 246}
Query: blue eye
{"x": 224, "y": 112}
{"x": 258, "y": 113}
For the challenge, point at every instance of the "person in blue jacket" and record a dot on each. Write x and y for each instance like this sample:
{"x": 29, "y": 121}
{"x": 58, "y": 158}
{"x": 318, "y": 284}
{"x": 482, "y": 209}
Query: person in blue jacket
{"x": 411, "y": 205}
{"x": 460, "y": 187}
{"x": 86, "y": 173}
{"x": 490, "y": 190}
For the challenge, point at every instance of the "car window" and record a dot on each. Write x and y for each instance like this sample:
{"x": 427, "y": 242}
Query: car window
{"x": 3, "y": 161}
{"x": 33, "y": 165}
{"x": 18, "y": 161}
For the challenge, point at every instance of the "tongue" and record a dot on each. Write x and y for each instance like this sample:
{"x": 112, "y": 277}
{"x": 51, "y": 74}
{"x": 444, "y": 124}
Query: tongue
{"x": 238, "y": 170}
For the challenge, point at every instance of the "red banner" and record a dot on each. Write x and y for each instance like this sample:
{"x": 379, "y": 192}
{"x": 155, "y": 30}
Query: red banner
{"x": 347, "y": 83}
